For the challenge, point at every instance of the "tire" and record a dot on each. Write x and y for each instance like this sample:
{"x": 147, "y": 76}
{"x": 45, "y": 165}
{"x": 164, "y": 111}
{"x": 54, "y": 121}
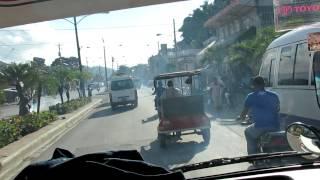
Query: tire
{"x": 206, "y": 135}
{"x": 135, "y": 104}
{"x": 113, "y": 107}
{"x": 162, "y": 138}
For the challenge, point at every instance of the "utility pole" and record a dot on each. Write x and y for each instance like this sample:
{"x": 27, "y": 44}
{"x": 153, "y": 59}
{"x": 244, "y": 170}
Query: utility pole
{"x": 87, "y": 64}
{"x": 59, "y": 53}
{"x": 75, "y": 23}
{"x": 105, "y": 64}
{"x": 112, "y": 64}
{"x": 175, "y": 39}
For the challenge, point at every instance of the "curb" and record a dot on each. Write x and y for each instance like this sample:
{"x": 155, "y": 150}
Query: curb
{"x": 14, "y": 158}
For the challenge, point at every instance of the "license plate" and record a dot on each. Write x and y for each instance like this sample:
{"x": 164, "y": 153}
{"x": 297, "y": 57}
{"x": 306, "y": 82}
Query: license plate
{"x": 123, "y": 98}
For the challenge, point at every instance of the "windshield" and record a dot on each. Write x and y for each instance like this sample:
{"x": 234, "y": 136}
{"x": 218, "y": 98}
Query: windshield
{"x": 211, "y": 79}
{"x": 121, "y": 85}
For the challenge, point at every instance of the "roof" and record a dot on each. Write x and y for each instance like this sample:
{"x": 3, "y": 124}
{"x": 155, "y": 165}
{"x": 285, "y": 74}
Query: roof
{"x": 19, "y": 12}
{"x": 235, "y": 10}
{"x": 296, "y": 35}
{"x": 177, "y": 74}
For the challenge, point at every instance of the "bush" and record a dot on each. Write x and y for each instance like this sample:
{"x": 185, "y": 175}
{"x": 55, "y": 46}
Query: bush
{"x": 18, "y": 126}
{"x": 70, "y": 106}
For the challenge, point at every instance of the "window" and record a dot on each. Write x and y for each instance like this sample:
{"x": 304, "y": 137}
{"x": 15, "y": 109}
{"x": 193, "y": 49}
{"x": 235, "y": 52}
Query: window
{"x": 301, "y": 68}
{"x": 121, "y": 84}
{"x": 286, "y": 64}
{"x": 271, "y": 75}
{"x": 267, "y": 68}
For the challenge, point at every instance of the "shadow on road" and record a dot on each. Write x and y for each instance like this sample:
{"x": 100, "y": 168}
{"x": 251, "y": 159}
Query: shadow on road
{"x": 175, "y": 153}
{"x": 109, "y": 112}
{"x": 104, "y": 104}
{"x": 149, "y": 119}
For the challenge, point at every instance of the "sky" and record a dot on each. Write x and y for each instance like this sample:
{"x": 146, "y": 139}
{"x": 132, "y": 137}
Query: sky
{"x": 130, "y": 36}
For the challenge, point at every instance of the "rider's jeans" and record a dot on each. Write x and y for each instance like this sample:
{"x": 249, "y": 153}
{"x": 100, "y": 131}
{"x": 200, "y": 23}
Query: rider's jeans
{"x": 252, "y": 135}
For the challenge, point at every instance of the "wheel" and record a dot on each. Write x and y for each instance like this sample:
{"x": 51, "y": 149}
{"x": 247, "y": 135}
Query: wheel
{"x": 113, "y": 107}
{"x": 206, "y": 135}
{"x": 162, "y": 138}
{"x": 135, "y": 104}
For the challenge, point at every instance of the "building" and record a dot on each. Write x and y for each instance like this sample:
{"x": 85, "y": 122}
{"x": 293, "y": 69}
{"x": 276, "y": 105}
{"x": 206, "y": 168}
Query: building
{"x": 170, "y": 60}
{"x": 183, "y": 60}
{"x": 240, "y": 18}
{"x": 237, "y": 21}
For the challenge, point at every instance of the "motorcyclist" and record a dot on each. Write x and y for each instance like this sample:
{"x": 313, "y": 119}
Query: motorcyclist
{"x": 264, "y": 109}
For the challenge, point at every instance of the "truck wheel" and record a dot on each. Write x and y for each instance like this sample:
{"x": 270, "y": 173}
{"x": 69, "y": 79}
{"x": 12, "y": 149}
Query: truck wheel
{"x": 162, "y": 140}
{"x": 206, "y": 135}
{"x": 113, "y": 107}
{"x": 135, "y": 103}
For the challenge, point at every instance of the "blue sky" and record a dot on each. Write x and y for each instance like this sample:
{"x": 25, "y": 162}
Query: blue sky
{"x": 130, "y": 35}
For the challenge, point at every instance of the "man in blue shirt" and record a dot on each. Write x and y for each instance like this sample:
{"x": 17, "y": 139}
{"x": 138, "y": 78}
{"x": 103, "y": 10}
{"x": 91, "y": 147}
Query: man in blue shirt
{"x": 264, "y": 109}
{"x": 158, "y": 92}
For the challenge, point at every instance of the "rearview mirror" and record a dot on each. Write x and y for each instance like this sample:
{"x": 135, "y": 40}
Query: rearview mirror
{"x": 316, "y": 72}
{"x": 304, "y": 138}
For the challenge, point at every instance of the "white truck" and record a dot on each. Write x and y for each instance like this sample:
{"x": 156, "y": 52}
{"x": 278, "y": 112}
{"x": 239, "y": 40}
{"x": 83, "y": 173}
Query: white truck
{"x": 123, "y": 91}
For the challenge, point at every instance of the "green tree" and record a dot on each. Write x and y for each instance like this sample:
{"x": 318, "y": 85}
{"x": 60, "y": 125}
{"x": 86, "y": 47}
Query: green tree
{"x": 42, "y": 80}
{"x": 250, "y": 51}
{"x": 19, "y": 75}
{"x": 193, "y": 31}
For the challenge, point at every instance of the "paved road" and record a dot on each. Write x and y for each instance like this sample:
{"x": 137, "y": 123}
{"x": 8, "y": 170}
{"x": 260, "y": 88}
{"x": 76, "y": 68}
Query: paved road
{"x": 46, "y": 101}
{"x": 128, "y": 128}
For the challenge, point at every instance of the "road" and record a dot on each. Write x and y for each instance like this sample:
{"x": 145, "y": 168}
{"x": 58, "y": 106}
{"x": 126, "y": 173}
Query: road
{"x": 128, "y": 128}
{"x": 46, "y": 101}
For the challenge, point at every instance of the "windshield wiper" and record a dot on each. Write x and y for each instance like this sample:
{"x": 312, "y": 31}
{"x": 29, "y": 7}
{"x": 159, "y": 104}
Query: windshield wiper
{"x": 240, "y": 159}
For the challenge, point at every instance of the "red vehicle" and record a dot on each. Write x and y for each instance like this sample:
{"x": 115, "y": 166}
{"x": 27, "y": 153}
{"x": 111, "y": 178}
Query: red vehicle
{"x": 183, "y": 114}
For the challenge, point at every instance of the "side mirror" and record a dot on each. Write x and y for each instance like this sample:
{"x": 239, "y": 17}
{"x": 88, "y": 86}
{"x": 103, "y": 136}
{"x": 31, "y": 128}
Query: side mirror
{"x": 316, "y": 72}
{"x": 304, "y": 138}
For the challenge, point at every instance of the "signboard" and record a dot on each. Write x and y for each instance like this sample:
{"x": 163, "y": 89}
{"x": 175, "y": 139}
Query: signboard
{"x": 314, "y": 41}
{"x": 289, "y": 14}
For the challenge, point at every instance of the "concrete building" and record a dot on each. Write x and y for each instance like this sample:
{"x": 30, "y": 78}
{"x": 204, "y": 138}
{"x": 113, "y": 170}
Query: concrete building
{"x": 236, "y": 22}
{"x": 240, "y": 17}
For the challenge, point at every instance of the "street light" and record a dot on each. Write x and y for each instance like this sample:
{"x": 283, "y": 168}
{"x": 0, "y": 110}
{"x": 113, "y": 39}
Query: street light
{"x": 105, "y": 64}
{"x": 75, "y": 23}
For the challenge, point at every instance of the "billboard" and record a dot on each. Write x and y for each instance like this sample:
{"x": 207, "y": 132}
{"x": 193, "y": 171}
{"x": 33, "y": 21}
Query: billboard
{"x": 289, "y": 14}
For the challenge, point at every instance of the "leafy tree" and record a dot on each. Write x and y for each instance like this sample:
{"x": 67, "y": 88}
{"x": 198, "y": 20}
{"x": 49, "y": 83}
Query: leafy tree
{"x": 250, "y": 51}
{"x": 19, "y": 75}
{"x": 124, "y": 69}
{"x": 42, "y": 80}
{"x": 193, "y": 31}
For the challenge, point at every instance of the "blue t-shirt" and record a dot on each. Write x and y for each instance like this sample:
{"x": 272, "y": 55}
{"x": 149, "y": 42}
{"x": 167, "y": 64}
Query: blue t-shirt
{"x": 264, "y": 106}
{"x": 159, "y": 91}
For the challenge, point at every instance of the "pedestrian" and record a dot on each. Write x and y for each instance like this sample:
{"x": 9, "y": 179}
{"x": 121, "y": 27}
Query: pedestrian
{"x": 216, "y": 92}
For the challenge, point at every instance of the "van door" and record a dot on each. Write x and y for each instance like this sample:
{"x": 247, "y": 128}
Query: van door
{"x": 267, "y": 68}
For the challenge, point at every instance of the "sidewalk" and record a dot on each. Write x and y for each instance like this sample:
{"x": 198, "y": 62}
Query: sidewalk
{"x": 17, "y": 155}
{"x": 8, "y": 110}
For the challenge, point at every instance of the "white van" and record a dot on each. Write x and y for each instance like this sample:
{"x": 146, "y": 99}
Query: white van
{"x": 123, "y": 92}
{"x": 287, "y": 69}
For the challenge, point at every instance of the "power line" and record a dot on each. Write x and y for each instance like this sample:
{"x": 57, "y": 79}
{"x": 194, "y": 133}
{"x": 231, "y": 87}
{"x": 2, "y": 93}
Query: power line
{"x": 93, "y": 28}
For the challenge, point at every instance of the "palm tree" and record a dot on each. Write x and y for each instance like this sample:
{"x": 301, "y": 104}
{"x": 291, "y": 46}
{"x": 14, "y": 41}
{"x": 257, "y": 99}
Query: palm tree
{"x": 19, "y": 75}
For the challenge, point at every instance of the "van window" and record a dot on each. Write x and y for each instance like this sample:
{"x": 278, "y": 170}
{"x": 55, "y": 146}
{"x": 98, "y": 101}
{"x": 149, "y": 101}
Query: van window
{"x": 271, "y": 76}
{"x": 301, "y": 67}
{"x": 286, "y": 64}
{"x": 121, "y": 84}
{"x": 266, "y": 69}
